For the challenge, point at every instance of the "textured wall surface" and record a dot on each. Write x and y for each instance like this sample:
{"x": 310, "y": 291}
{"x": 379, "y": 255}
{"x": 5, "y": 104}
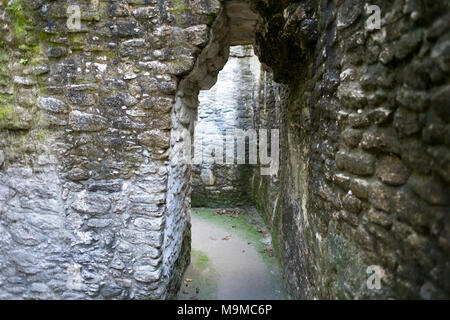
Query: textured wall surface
{"x": 265, "y": 190}
{"x": 85, "y": 136}
{"x": 365, "y": 158}
{"x": 226, "y": 106}
{"x": 94, "y": 197}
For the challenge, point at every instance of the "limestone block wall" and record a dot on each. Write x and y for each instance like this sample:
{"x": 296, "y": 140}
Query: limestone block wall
{"x": 228, "y": 105}
{"x": 85, "y": 121}
{"x": 268, "y": 115}
{"x": 364, "y": 135}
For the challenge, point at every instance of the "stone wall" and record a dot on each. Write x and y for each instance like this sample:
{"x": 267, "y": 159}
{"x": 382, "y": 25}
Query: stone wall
{"x": 265, "y": 189}
{"x": 365, "y": 158}
{"x": 228, "y": 105}
{"x": 95, "y": 197}
{"x": 85, "y": 121}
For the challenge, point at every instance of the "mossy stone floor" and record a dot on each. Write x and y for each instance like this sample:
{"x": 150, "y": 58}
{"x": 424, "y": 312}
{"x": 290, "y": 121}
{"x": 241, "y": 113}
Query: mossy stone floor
{"x": 232, "y": 257}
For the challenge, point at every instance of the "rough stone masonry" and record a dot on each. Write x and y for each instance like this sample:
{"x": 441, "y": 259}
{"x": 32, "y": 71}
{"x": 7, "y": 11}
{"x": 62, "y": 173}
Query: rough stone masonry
{"x": 226, "y": 107}
{"x": 94, "y": 202}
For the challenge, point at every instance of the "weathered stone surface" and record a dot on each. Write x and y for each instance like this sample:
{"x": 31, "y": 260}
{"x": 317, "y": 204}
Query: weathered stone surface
{"x": 227, "y": 105}
{"x": 356, "y": 162}
{"x": 406, "y": 122}
{"x": 55, "y": 52}
{"x": 92, "y": 203}
{"x": 109, "y": 186}
{"x": 154, "y": 224}
{"x": 81, "y": 121}
{"x": 358, "y": 120}
{"x": 146, "y": 209}
{"x": 39, "y": 287}
{"x": 430, "y": 189}
{"x": 380, "y": 115}
{"x": 412, "y": 99}
{"x": 415, "y": 156}
{"x": 15, "y": 118}
{"x": 352, "y": 203}
{"x": 352, "y": 137}
{"x": 81, "y": 98}
{"x": 380, "y": 196}
{"x": 146, "y": 274}
{"x": 99, "y": 223}
{"x": 360, "y": 188}
{"x": 408, "y": 43}
{"x": 392, "y": 171}
{"x": 439, "y": 102}
{"x": 347, "y": 217}
{"x": 348, "y": 13}
{"x": 25, "y": 81}
{"x": 150, "y": 238}
{"x": 52, "y": 105}
{"x": 159, "y": 104}
{"x": 155, "y": 139}
{"x": 111, "y": 291}
{"x": 381, "y": 139}
{"x": 379, "y": 218}
{"x": 343, "y": 180}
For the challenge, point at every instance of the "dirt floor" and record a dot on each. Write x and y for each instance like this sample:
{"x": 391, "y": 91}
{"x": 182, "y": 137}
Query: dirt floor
{"x": 232, "y": 258}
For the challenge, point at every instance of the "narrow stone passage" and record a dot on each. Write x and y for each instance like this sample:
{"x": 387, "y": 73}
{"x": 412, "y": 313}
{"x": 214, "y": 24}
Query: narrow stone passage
{"x": 232, "y": 258}
{"x": 119, "y": 116}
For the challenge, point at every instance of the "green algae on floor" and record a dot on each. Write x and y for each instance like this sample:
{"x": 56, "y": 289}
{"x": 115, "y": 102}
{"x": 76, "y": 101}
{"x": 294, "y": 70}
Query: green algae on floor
{"x": 229, "y": 250}
{"x": 248, "y": 225}
{"x": 202, "y": 261}
{"x": 200, "y": 279}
